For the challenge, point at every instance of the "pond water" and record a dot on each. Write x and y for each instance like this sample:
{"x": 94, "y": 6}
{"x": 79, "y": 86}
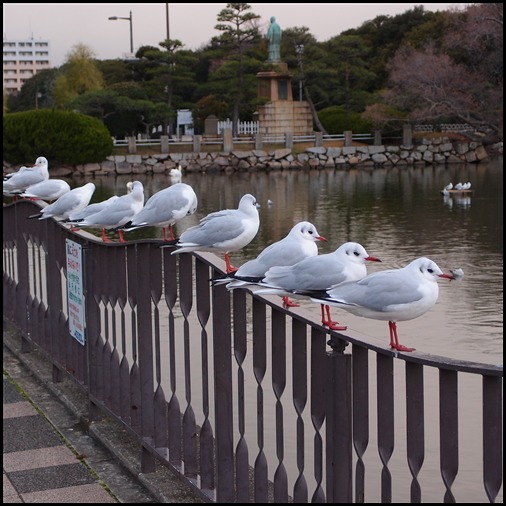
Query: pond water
{"x": 397, "y": 214}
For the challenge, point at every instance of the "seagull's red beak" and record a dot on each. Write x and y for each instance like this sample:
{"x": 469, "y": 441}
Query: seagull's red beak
{"x": 320, "y": 238}
{"x": 447, "y": 276}
{"x": 373, "y": 259}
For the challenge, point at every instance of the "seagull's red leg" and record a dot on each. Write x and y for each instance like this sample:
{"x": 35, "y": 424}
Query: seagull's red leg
{"x": 328, "y": 322}
{"x": 394, "y": 340}
{"x": 120, "y": 235}
{"x": 229, "y": 267}
{"x": 289, "y": 303}
{"x": 104, "y": 237}
{"x": 171, "y": 233}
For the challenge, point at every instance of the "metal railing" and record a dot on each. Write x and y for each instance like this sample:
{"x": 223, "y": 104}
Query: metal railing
{"x": 247, "y": 401}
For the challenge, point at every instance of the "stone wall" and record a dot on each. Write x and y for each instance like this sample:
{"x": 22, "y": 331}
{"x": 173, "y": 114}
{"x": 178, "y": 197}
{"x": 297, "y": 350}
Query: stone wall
{"x": 433, "y": 151}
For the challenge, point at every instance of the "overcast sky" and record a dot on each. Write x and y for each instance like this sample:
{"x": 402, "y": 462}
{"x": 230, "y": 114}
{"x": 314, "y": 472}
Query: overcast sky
{"x": 65, "y": 25}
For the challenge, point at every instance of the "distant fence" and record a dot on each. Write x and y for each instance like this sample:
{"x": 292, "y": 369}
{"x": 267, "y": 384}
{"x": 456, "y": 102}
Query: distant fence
{"x": 445, "y": 127}
{"x": 243, "y": 127}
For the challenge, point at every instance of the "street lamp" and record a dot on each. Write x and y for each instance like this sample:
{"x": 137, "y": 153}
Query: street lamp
{"x": 299, "y": 49}
{"x": 114, "y": 18}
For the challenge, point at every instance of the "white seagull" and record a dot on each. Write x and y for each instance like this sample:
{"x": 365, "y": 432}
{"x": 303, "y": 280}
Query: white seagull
{"x": 391, "y": 295}
{"x": 165, "y": 208}
{"x": 50, "y": 189}
{"x": 225, "y": 231}
{"x": 300, "y": 243}
{"x": 68, "y": 203}
{"x": 26, "y": 176}
{"x": 318, "y": 274}
{"x": 117, "y": 213}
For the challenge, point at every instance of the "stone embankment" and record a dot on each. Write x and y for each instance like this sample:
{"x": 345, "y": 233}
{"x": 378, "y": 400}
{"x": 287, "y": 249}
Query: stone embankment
{"x": 433, "y": 151}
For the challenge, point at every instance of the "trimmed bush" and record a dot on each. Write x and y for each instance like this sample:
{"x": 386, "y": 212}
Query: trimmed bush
{"x": 337, "y": 120}
{"x": 63, "y": 137}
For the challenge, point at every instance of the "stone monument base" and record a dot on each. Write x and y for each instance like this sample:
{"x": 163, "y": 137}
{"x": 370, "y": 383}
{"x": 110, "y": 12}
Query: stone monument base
{"x": 282, "y": 117}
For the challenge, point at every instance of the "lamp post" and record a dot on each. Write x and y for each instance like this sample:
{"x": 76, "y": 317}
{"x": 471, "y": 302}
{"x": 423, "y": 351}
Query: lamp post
{"x": 114, "y": 18}
{"x": 299, "y": 49}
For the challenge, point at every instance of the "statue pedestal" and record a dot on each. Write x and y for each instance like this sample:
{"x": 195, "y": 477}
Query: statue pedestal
{"x": 281, "y": 115}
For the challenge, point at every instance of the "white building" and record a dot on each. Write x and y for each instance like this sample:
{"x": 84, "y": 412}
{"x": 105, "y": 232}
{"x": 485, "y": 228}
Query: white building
{"x": 22, "y": 60}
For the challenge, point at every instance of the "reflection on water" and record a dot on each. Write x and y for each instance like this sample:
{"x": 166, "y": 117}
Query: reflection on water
{"x": 398, "y": 214}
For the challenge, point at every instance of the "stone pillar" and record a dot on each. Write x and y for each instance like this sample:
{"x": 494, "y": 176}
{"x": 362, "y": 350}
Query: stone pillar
{"x": 197, "y": 139}
{"x": 318, "y": 139}
{"x": 289, "y": 140}
{"x": 228, "y": 140}
{"x": 407, "y": 135}
{"x": 377, "y": 138}
{"x": 348, "y": 138}
{"x": 259, "y": 142}
{"x": 132, "y": 147}
{"x": 164, "y": 139}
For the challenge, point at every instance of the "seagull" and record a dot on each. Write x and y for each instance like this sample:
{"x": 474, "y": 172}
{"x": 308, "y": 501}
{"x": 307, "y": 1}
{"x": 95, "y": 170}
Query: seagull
{"x": 68, "y": 203}
{"x": 391, "y": 295}
{"x": 300, "y": 243}
{"x": 176, "y": 173}
{"x": 117, "y": 213}
{"x": 165, "y": 208}
{"x": 227, "y": 230}
{"x": 449, "y": 186}
{"x": 459, "y": 186}
{"x": 19, "y": 181}
{"x": 50, "y": 189}
{"x": 317, "y": 274}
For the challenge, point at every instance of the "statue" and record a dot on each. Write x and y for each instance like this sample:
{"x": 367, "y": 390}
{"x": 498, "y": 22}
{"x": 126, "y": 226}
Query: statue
{"x": 274, "y": 36}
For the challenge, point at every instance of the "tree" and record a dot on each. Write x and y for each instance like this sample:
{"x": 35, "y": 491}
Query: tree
{"x": 461, "y": 81}
{"x": 239, "y": 32}
{"x": 78, "y": 75}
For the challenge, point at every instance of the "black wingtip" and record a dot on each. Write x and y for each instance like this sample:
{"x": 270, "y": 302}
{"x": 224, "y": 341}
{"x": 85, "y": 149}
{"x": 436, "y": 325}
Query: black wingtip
{"x": 38, "y": 215}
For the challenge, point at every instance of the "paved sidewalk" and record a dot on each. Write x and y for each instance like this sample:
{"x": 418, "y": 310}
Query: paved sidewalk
{"x": 53, "y": 454}
{"x": 38, "y": 465}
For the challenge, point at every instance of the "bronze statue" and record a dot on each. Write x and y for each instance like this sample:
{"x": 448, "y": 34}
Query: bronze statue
{"x": 274, "y": 36}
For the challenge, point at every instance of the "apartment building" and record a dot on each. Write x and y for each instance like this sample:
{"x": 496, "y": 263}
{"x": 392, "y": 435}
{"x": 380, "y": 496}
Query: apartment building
{"x": 22, "y": 60}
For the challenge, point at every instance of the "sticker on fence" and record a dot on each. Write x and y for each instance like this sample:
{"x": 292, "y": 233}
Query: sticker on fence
{"x": 75, "y": 293}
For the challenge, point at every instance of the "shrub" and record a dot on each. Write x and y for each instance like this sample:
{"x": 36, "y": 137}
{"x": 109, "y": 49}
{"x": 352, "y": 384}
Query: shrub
{"x": 337, "y": 120}
{"x": 63, "y": 137}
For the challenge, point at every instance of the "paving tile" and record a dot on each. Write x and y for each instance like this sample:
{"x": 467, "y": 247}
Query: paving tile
{"x": 93, "y": 493}
{"x": 45, "y": 478}
{"x": 16, "y": 409}
{"x": 41, "y": 457}
{"x": 10, "y": 393}
{"x": 28, "y": 433}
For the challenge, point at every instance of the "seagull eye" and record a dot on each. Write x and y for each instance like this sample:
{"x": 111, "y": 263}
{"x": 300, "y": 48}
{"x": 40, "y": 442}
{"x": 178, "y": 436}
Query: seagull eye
{"x": 430, "y": 271}
{"x": 356, "y": 253}
{"x": 310, "y": 231}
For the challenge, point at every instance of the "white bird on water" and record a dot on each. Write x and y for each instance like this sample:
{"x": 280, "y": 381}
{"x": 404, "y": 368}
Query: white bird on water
{"x": 68, "y": 203}
{"x": 392, "y": 295}
{"x": 300, "y": 243}
{"x": 165, "y": 208}
{"x": 317, "y": 274}
{"x": 224, "y": 231}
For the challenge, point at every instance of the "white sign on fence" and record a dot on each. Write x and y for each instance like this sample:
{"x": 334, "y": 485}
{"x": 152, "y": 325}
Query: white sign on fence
{"x": 75, "y": 293}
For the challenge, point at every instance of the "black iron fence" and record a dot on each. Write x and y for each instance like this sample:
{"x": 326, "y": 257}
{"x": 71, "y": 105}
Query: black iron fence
{"x": 246, "y": 401}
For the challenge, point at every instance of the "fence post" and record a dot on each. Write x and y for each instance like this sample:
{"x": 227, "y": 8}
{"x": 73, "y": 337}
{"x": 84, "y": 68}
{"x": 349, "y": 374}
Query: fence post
{"x": 377, "y": 138}
{"x": 318, "y": 139}
{"x": 132, "y": 147}
{"x": 164, "y": 144}
{"x": 259, "y": 143}
{"x": 228, "y": 140}
{"x": 197, "y": 139}
{"x": 407, "y": 135}
{"x": 289, "y": 140}
{"x": 348, "y": 138}
{"x": 338, "y": 428}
